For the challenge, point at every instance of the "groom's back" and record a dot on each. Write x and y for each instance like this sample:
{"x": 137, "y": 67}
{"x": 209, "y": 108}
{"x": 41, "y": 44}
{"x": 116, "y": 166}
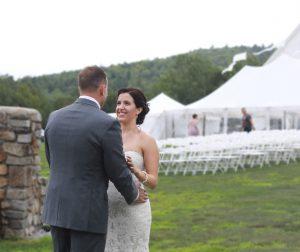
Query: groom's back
{"x": 76, "y": 196}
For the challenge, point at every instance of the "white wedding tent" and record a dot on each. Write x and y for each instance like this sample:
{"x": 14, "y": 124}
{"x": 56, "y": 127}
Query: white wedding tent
{"x": 274, "y": 85}
{"x": 162, "y": 103}
{"x": 290, "y": 47}
{"x": 159, "y": 122}
{"x": 268, "y": 91}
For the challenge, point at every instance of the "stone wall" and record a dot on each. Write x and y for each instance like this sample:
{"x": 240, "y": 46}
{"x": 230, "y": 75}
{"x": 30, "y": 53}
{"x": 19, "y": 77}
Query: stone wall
{"x": 21, "y": 187}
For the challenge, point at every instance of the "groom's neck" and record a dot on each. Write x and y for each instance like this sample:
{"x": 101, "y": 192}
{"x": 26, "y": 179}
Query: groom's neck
{"x": 93, "y": 95}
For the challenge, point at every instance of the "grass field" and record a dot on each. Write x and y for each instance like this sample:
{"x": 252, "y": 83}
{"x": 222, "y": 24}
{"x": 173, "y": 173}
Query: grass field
{"x": 252, "y": 210}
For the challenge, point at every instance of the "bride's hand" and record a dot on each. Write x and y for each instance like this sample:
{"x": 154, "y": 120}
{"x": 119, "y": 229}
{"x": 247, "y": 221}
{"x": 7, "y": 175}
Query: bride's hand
{"x": 130, "y": 165}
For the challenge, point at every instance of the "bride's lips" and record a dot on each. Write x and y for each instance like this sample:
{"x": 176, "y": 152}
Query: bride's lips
{"x": 120, "y": 114}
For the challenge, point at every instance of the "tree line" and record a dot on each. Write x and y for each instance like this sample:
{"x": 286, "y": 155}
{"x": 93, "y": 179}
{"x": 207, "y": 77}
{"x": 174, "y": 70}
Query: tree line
{"x": 185, "y": 77}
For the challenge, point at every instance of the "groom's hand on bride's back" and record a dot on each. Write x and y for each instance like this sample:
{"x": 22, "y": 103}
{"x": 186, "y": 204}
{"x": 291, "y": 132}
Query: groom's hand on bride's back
{"x": 143, "y": 195}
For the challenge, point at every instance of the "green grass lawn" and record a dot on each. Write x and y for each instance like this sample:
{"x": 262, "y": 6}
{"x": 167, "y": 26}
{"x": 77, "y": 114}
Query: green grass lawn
{"x": 44, "y": 164}
{"x": 252, "y": 210}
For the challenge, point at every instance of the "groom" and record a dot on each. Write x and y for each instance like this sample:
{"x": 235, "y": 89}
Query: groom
{"x": 84, "y": 151}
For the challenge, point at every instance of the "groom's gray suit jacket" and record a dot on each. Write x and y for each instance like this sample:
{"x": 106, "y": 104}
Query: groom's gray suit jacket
{"x": 84, "y": 150}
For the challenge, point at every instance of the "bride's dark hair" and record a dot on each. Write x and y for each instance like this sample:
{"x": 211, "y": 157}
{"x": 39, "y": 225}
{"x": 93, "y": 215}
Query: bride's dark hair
{"x": 140, "y": 101}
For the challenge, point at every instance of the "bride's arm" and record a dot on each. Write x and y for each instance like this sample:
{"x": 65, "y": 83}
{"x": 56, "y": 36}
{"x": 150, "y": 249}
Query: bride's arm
{"x": 148, "y": 177}
{"x": 151, "y": 160}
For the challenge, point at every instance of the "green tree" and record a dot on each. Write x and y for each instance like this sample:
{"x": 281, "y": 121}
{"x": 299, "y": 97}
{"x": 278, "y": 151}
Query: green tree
{"x": 190, "y": 78}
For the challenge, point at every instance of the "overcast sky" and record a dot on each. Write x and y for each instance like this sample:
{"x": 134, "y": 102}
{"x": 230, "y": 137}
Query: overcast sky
{"x": 51, "y": 36}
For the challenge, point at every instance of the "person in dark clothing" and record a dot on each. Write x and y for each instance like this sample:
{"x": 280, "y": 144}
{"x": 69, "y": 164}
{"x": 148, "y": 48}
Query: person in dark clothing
{"x": 247, "y": 121}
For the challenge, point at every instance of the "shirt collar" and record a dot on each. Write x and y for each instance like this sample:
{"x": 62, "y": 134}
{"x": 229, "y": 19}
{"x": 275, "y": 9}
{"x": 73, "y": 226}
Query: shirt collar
{"x": 91, "y": 99}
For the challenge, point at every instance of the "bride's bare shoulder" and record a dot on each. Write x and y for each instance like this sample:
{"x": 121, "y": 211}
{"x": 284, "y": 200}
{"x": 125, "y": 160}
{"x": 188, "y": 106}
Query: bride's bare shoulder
{"x": 147, "y": 139}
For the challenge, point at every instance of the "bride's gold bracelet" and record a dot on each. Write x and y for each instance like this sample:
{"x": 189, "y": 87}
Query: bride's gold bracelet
{"x": 146, "y": 177}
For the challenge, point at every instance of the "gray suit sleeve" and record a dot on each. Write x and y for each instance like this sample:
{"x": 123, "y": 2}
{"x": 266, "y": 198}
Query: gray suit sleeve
{"x": 115, "y": 163}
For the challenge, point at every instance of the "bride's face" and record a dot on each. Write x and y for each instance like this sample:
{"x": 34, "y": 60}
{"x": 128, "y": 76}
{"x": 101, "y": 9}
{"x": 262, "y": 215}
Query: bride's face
{"x": 126, "y": 109}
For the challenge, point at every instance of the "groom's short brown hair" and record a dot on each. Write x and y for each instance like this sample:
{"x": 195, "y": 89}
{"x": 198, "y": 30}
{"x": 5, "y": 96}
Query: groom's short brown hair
{"x": 91, "y": 77}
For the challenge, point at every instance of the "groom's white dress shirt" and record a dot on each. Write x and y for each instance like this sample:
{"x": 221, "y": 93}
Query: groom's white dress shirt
{"x": 91, "y": 99}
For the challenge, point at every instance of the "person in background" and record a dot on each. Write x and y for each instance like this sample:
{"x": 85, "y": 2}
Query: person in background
{"x": 192, "y": 126}
{"x": 247, "y": 121}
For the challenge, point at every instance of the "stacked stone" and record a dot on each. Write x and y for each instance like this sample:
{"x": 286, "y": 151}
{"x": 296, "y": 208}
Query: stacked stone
{"x": 21, "y": 188}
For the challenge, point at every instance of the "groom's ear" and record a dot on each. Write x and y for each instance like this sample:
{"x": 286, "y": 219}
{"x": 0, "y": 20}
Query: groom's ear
{"x": 102, "y": 89}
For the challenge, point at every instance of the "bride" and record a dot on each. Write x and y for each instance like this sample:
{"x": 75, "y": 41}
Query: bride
{"x": 129, "y": 225}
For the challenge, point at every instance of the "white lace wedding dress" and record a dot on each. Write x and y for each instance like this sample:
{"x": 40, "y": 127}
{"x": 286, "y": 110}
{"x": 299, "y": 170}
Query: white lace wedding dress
{"x": 128, "y": 225}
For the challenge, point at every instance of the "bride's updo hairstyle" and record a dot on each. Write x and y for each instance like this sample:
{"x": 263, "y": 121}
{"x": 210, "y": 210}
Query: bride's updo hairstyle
{"x": 140, "y": 101}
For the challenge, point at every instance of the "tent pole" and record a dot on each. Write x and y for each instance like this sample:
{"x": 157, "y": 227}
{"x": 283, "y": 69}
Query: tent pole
{"x": 268, "y": 119}
{"x": 173, "y": 127}
{"x": 225, "y": 126}
{"x": 185, "y": 116}
{"x": 204, "y": 124}
{"x": 284, "y": 120}
{"x": 166, "y": 126}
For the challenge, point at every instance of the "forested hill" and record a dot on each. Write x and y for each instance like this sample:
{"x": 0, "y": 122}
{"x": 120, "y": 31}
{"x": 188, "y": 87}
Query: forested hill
{"x": 185, "y": 77}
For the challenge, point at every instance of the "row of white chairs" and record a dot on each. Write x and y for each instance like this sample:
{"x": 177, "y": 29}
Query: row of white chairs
{"x": 240, "y": 150}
